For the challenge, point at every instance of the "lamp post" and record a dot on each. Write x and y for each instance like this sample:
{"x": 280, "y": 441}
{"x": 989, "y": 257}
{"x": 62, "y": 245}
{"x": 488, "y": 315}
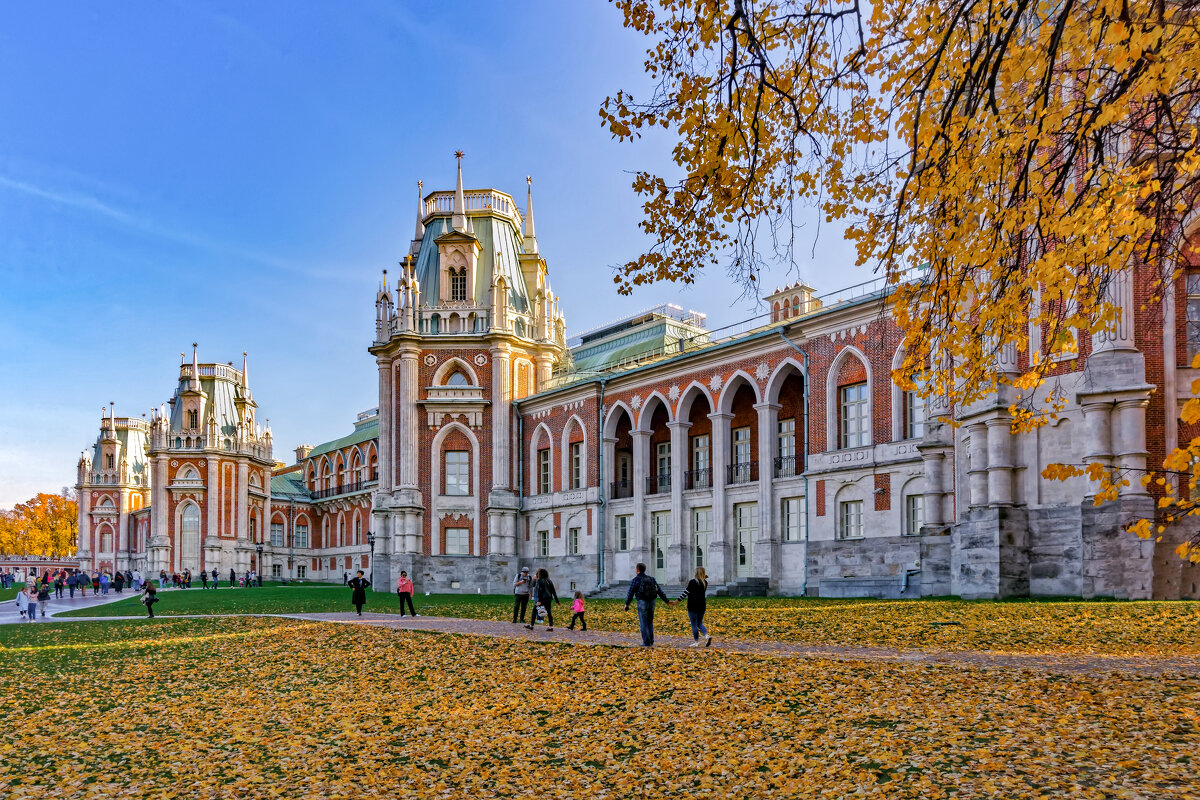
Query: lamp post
{"x": 259, "y": 548}
{"x": 371, "y": 562}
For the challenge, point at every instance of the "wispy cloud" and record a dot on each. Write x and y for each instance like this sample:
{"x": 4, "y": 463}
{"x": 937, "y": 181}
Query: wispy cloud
{"x": 91, "y": 204}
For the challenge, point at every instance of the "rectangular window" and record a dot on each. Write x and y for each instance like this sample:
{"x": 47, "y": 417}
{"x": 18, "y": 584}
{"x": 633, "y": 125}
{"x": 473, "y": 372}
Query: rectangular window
{"x": 302, "y": 534}
{"x": 276, "y": 534}
{"x": 914, "y": 416}
{"x": 301, "y": 571}
{"x": 701, "y": 453}
{"x": 108, "y": 461}
{"x": 855, "y": 425}
{"x": 745, "y": 520}
{"x": 543, "y": 544}
{"x": 787, "y": 438}
{"x": 457, "y": 541}
{"x": 106, "y": 542}
{"x": 1193, "y": 317}
{"x": 702, "y": 525}
{"x": 458, "y": 472}
{"x": 573, "y": 541}
{"x": 276, "y": 570}
{"x": 660, "y": 527}
{"x": 623, "y": 532}
{"x": 850, "y": 519}
{"x": 741, "y": 445}
{"x": 794, "y": 519}
{"x": 914, "y": 514}
{"x": 577, "y": 465}
{"x": 662, "y": 463}
{"x": 458, "y": 285}
{"x": 544, "y": 471}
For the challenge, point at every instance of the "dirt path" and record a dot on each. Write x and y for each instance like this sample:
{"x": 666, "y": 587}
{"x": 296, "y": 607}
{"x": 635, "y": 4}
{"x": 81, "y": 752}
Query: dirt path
{"x": 1188, "y": 665}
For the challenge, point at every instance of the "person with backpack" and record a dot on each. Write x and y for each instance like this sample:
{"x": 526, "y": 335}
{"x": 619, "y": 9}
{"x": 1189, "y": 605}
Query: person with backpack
{"x": 43, "y": 596}
{"x": 697, "y": 604}
{"x": 647, "y": 591}
{"x": 544, "y": 588}
{"x": 521, "y": 594}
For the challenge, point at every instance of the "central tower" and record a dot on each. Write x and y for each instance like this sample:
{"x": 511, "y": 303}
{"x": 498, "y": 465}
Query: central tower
{"x": 470, "y": 326}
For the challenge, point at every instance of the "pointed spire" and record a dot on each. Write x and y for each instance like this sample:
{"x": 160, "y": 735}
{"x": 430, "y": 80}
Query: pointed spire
{"x": 112, "y": 415}
{"x": 420, "y": 213}
{"x": 195, "y": 368}
{"x": 531, "y": 245}
{"x": 459, "y": 221}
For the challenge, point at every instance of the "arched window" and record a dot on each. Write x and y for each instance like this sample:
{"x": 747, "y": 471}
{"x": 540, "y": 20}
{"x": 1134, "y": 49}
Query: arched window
{"x": 193, "y": 418}
{"x": 457, "y": 379}
{"x": 189, "y": 538}
{"x": 458, "y": 285}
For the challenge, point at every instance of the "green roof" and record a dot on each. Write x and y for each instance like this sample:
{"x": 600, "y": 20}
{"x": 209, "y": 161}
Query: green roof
{"x": 289, "y": 483}
{"x": 363, "y": 432}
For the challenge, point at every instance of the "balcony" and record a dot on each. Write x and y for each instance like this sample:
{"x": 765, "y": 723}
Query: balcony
{"x": 742, "y": 472}
{"x": 345, "y": 488}
{"x": 698, "y": 479}
{"x": 619, "y": 490}
{"x": 788, "y": 466}
{"x": 658, "y": 484}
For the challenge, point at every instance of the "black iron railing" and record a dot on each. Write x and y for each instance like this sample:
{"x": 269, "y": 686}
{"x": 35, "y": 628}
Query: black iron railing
{"x": 621, "y": 489}
{"x": 742, "y": 472}
{"x": 658, "y": 484}
{"x": 698, "y": 479}
{"x": 787, "y": 466}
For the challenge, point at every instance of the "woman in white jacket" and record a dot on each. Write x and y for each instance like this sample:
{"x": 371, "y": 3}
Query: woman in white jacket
{"x": 22, "y": 602}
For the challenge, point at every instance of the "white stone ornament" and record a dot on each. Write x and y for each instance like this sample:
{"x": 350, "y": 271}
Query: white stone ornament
{"x": 673, "y": 393}
{"x": 430, "y": 360}
{"x": 715, "y": 383}
{"x": 480, "y": 360}
{"x": 636, "y": 402}
{"x": 762, "y": 372}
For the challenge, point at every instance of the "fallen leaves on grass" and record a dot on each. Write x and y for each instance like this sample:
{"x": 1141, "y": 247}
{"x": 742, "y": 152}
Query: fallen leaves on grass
{"x": 264, "y": 707}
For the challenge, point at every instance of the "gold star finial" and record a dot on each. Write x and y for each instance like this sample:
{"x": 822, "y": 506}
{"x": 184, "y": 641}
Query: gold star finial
{"x": 458, "y": 154}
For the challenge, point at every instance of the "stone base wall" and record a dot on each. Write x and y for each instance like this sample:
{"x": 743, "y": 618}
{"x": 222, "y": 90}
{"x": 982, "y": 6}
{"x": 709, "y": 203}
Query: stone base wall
{"x": 990, "y": 554}
{"x": 892, "y": 566}
{"x": 1115, "y": 562}
{"x": 490, "y": 575}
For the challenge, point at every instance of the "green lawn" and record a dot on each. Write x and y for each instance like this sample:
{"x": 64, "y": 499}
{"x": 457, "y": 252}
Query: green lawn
{"x": 11, "y": 592}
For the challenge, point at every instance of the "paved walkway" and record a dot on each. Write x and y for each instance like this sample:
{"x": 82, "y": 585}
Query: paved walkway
{"x": 9, "y": 613}
{"x": 977, "y": 659}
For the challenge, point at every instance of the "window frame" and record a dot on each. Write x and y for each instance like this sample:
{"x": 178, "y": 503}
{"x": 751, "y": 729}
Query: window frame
{"x": 859, "y": 434}
{"x": 914, "y": 512}
{"x": 462, "y": 546}
{"x": 851, "y": 511}
{"x": 785, "y": 434}
{"x": 573, "y": 535}
{"x": 301, "y": 570}
{"x": 461, "y": 473}
{"x": 300, "y": 535}
{"x": 621, "y": 523}
{"x": 543, "y": 543}
{"x": 277, "y": 528}
{"x": 914, "y": 415}
{"x": 701, "y": 445}
{"x": 794, "y": 519}
{"x": 575, "y": 457}
{"x": 545, "y": 478}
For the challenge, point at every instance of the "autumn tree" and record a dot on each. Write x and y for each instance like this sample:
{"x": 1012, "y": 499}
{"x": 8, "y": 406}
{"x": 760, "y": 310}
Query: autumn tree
{"x": 47, "y": 525}
{"x": 998, "y": 163}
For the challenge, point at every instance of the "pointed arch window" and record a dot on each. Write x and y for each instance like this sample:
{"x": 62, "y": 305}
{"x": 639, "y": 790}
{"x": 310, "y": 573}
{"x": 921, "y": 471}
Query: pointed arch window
{"x": 193, "y": 418}
{"x": 458, "y": 285}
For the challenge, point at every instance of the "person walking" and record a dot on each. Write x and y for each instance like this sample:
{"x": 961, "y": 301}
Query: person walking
{"x": 149, "y": 598}
{"x": 95, "y": 583}
{"x": 647, "y": 591}
{"x": 577, "y": 612}
{"x": 358, "y": 591}
{"x": 203, "y": 579}
{"x": 23, "y": 602}
{"x": 162, "y": 579}
{"x": 118, "y": 582}
{"x": 521, "y": 595}
{"x": 404, "y": 590}
{"x": 43, "y": 597}
{"x": 545, "y": 593}
{"x": 58, "y": 585}
{"x": 216, "y": 578}
{"x": 104, "y": 583}
{"x": 232, "y": 578}
{"x": 72, "y": 582}
{"x": 697, "y": 604}
{"x": 31, "y": 603}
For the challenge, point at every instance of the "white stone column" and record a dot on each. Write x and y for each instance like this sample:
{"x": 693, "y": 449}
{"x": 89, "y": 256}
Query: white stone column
{"x": 243, "y": 503}
{"x": 1097, "y": 419}
{"x": 1131, "y": 453}
{"x": 767, "y": 548}
{"x": 121, "y": 540}
{"x": 502, "y": 461}
{"x": 720, "y": 548}
{"x": 641, "y": 470}
{"x": 85, "y": 526}
{"x": 677, "y": 560}
{"x": 935, "y": 465}
{"x": 386, "y": 415}
{"x": 977, "y": 473}
{"x": 211, "y": 495}
{"x": 1000, "y": 462}
{"x": 409, "y": 431}
{"x": 1118, "y": 292}
{"x": 544, "y": 363}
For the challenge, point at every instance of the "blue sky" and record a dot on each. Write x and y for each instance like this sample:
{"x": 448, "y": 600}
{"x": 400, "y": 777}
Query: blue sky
{"x": 238, "y": 174}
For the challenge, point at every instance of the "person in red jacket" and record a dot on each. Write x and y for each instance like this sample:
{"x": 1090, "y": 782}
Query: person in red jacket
{"x": 404, "y": 590}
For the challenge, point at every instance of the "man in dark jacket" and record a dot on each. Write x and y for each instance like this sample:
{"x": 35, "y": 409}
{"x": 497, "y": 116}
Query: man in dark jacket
{"x": 358, "y": 595}
{"x": 646, "y": 590}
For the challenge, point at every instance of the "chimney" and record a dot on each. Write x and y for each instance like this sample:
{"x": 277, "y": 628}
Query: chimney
{"x": 302, "y": 452}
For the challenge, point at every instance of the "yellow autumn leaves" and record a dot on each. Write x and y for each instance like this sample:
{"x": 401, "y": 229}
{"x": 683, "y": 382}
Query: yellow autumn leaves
{"x": 46, "y": 525}
{"x": 273, "y": 708}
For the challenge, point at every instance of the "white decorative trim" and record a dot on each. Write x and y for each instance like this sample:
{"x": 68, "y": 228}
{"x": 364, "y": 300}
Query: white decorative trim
{"x": 430, "y": 359}
{"x": 480, "y": 359}
{"x": 636, "y": 402}
{"x": 762, "y": 371}
{"x": 673, "y": 392}
{"x": 715, "y": 383}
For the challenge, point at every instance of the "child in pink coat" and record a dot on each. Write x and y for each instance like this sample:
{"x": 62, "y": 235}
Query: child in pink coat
{"x": 577, "y": 612}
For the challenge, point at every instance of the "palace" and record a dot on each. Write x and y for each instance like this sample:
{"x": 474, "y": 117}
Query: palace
{"x": 779, "y": 454}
